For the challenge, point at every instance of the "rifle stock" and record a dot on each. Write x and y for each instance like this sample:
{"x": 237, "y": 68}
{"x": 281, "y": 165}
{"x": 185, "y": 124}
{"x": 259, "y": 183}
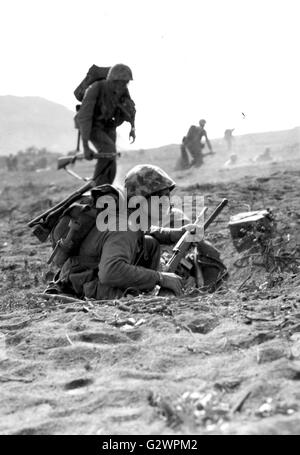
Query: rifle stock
{"x": 64, "y": 161}
{"x": 63, "y": 204}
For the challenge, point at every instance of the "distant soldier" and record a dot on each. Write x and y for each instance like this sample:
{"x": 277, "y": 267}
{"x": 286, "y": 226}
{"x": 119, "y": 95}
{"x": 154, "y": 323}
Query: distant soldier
{"x": 195, "y": 141}
{"x": 265, "y": 156}
{"x": 232, "y": 160}
{"x": 228, "y": 138}
{"x": 8, "y": 162}
{"x": 106, "y": 105}
{"x": 12, "y": 163}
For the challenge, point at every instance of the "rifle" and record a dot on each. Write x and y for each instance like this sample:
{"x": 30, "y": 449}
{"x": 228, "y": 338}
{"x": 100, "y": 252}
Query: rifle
{"x": 72, "y": 157}
{"x": 44, "y": 223}
{"x": 182, "y": 246}
{"x": 64, "y": 161}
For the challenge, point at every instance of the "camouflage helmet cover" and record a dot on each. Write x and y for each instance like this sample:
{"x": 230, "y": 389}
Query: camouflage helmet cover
{"x": 119, "y": 72}
{"x": 108, "y": 190}
{"x": 147, "y": 179}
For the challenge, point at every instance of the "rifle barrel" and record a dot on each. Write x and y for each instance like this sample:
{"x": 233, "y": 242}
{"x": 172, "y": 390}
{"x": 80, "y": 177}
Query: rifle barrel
{"x": 215, "y": 213}
{"x": 64, "y": 161}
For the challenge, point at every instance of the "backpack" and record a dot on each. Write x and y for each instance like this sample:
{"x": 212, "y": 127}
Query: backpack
{"x": 95, "y": 73}
{"x": 126, "y": 109}
{"x": 78, "y": 274}
{"x": 75, "y": 223}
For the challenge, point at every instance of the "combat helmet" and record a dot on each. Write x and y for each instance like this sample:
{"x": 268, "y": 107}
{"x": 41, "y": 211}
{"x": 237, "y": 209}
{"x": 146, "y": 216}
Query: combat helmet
{"x": 104, "y": 190}
{"x": 146, "y": 180}
{"x": 202, "y": 122}
{"x": 119, "y": 72}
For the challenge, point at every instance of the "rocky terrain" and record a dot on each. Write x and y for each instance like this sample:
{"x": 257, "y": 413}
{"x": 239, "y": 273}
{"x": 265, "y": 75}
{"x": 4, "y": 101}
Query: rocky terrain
{"x": 223, "y": 363}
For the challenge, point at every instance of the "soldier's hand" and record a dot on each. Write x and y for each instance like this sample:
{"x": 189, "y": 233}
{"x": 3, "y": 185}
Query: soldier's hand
{"x": 88, "y": 154}
{"x": 172, "y": 281}
{"x": 132, "y": 135}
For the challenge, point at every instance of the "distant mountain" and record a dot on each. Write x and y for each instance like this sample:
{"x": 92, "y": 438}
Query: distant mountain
{"x": 34, "y": 121}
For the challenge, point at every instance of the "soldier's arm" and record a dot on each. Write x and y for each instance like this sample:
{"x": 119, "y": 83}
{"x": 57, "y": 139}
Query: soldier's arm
{"x": 116, "y": 268}
{"x": 126, "y": 112}
{"x": 208, "y": 142}
{"x": 130, "y": 108}
{"x": 166, "y": 236}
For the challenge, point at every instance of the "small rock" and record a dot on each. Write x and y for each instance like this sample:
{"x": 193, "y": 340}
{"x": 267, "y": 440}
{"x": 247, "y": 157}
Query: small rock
{"x": 77, "y": 383}
{"x": 265, "y": 409}
{"x": 195, "y": 395}
{"x": 295, "y": 349}
{"x": 269, "y": 354}
{"x": 126, "y": 327}
{"x": 139, "y": 322}
{"x": 202, "y": 325}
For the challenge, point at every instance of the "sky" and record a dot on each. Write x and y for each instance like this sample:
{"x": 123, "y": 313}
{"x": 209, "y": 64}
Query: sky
{"x": 191, "y": 59}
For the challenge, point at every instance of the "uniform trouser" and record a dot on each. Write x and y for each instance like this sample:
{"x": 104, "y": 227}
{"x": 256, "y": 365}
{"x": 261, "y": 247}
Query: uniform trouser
{"x": 196, "y": 152}
{"x": 105, "y": 171}
{"x": 184, "y": 157}
{"x": 105, "y": 142}
{"x": 150, "y": 257}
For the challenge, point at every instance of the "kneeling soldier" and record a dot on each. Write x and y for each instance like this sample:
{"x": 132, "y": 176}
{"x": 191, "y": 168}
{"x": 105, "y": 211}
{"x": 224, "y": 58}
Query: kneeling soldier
{"x": 106, "y": 263}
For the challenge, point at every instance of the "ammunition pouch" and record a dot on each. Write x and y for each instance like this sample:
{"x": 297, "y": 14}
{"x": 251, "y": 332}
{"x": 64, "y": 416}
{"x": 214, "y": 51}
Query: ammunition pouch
{"x": 73, "y": 227}
{"x": 61, "y": 252}
{"x": 41, "y": 231}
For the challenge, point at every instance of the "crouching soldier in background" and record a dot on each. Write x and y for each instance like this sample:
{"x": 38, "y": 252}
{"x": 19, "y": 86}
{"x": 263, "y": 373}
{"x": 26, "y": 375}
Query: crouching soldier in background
{"x": 106, "y": 264}
{"x": 265, "y": 156}
{"x": 195, "y": 141}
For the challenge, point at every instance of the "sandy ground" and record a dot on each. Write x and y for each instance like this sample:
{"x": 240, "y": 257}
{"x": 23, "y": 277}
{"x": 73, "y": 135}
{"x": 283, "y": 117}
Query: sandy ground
{"x": 224, "y": 363}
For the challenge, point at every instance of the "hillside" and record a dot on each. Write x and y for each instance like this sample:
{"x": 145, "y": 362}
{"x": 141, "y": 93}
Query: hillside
{"x": 31, "y": 120}
{"x": 284, "y": 145}
{"x": 34, "y": 121}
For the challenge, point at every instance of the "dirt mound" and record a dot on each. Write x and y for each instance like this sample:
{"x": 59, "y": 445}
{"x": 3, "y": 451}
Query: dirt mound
{"x": 223, "y": 363}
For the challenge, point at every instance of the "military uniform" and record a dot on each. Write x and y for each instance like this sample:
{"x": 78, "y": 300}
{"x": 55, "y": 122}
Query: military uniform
{"x": 108, "y": 263}
{"x": 228, "y": 138}
{"x": 183, "y": 161}
{"x": 104, "y": 109}
{"x": 193, "y": 142}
